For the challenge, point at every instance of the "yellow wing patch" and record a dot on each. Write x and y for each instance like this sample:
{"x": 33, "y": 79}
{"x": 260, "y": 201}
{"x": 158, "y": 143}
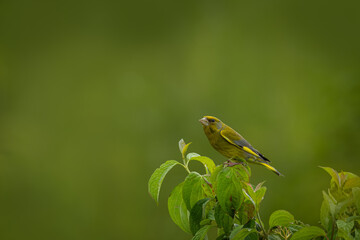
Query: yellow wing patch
{"x": 271, "y": 168}
{"x": 250, "y": 151}
{"x": 246, "y": 149}
{"x": 229, "y": 141}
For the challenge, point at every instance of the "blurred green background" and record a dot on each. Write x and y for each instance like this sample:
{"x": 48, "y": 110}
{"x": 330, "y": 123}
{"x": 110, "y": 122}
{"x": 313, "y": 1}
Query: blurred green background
{"x": 95, "y": 95}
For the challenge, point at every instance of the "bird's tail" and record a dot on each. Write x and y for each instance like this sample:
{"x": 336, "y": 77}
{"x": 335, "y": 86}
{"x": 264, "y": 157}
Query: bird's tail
{"x": 271, "y": 168}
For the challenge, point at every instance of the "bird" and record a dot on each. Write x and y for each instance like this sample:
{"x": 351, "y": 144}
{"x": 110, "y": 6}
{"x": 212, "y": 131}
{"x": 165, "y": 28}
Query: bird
{"x": 232, "y": 145}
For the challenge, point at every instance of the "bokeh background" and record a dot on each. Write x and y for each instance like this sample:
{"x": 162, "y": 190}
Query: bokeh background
{"x": 95, "y": 95}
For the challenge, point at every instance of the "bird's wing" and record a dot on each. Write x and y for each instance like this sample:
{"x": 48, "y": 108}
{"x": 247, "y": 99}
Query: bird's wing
{"x": 234, "y": 138}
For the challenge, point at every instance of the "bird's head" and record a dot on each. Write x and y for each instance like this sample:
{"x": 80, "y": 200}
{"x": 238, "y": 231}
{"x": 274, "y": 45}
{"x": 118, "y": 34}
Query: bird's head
{"x": 210, "y": 123}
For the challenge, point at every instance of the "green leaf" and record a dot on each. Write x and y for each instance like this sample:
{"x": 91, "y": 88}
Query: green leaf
{"x": 222, "y": 237}
{"x": 334, "y": 175}
{"x": 229, "y": 188}
{"x": 208, "y": 187}
{"x": 250, "y": 224}
{"x": 274, "y": 237}
{"x": 191, "y": 155}
{"x": 325, "y": 215}
{"x": 357, "y": 234}
{"x": 344, "y": 229}
{"x": 308, "y": 233}
{"x": 252, "y": 236}
{"x": 281, "y": 218}
{"x": 236, "y": 231}
{"x": 214, "y": 174}
{"x": 246, "y": 212}
{"x": 201, "y": 234}
{"x": 350, "y": 175}
{"x": 260, "y": 193}
{"x": 193, "y": 189}
{"x": 294, "y": 227}
{"x": 211, "y": 214}
{"x": 197, "y": 214}
{"x": 183, "y": 147}
{"x": 259, "y": 186}
{"x": 182, "y": 144}
{"x": 250, "y": 195}
{"x": 341, "y": 206}
{"x": 205, "y": 221}
{"x": 207, "y": 162}
{"x": 223, "y": 220}
{"x": 356, "y": 196}
{"x": 331, "y": 204}
{"x": 157, "y": 178}
{"x": 255, "y": 195}
{"x": 243, "y": 172}
{"x": 352, "y": 218}
{"x": 352, "y": 182}
{"x": 177, "y": 209}
{"x": 241, "y": 233}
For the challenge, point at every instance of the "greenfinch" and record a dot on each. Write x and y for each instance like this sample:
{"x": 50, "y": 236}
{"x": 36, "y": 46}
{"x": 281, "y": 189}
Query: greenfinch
{"x": 231, "y": 144}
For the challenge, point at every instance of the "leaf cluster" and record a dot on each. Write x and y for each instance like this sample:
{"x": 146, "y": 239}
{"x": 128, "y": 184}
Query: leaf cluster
{"x": 223, "y": 198}
{"x": 340, "y": 209}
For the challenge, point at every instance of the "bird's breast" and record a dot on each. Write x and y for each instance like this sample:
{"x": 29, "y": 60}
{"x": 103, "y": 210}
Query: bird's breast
{"x": 223, "y": 146}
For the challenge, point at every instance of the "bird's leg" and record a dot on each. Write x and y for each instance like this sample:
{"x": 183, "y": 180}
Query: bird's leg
{"x": 229, "y": 163}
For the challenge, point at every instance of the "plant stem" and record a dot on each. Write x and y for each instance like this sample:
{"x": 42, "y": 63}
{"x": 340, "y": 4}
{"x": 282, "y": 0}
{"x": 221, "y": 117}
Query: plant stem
{"x": 332, "y": 230}
{"x": 186, "y": 167}
{"x": 261, "y": 225}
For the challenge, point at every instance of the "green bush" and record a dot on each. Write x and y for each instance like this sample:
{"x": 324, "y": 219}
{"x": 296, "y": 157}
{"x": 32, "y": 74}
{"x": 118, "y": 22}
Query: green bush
{"x": 223, "y": 198}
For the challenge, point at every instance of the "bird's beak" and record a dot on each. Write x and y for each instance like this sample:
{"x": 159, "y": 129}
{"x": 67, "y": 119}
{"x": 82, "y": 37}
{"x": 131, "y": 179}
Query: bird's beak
{"x": 204, "y": 121}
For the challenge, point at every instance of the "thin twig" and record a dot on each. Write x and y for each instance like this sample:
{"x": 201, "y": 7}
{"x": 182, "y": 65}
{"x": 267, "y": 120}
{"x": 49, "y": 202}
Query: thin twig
{"x": 261, "y": 225}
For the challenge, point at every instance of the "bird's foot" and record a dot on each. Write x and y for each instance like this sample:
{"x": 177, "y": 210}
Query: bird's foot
{"x": 228, "y": 163}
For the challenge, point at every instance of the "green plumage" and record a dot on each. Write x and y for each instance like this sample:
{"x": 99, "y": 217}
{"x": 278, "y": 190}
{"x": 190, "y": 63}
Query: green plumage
{"x": 231, "y": 144}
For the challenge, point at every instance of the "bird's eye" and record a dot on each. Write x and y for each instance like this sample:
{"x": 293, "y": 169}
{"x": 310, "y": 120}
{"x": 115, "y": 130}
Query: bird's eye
{"x": 211, "y": 120}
